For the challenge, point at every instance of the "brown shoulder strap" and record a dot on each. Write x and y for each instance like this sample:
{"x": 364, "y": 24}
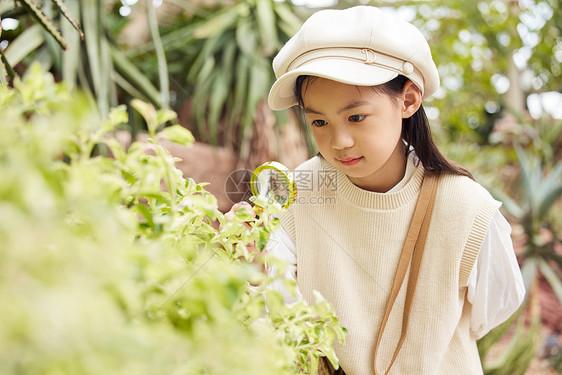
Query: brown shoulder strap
{"x": 412, "y": 252}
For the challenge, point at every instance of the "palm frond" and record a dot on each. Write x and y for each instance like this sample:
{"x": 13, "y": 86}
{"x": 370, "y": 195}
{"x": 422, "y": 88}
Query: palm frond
{"x": 68, "y": 15}
{"x": 37, "y": 12}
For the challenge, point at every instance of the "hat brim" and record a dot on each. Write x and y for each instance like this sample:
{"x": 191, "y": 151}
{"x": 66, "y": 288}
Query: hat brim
{"x": 350, "y": 72}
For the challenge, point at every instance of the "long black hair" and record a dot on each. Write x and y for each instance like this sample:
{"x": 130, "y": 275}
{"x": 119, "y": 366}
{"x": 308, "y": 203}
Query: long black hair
{"x": 416, "y": 131}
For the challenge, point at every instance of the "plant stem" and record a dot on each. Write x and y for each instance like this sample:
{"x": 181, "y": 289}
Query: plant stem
{"x": 160, "y": 55}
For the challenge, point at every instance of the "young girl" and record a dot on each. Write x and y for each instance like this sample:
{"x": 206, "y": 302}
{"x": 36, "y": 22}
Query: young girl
{"x": 360, "y": 76}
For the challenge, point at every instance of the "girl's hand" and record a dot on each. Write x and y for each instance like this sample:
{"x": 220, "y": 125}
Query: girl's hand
{"x": 238, "y": 206}
{"x": 230, "y": 215}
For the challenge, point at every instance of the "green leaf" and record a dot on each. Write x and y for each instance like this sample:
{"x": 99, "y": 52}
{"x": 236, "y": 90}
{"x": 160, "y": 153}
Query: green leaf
{"x": 71, "y": 57}
{"x": 219, "y": 22}
{"x": 509, "y": 204}
{"x": 331, "y": 355}
{"x": 552, "y": 186}
{"x": 246, "y": 36}
{"x": 24, "y": 44}
{"x": 5, "y": 6}
{"x": 206, "y": 70}
{"x": 265, "y": 18}
{"x": 160, "y": 55}
{"x": 240, "y": 89}
{"x": 67, "y": 14}
{"x": 96, "y": 50}
{"x": 220, "y": 90}
{"x": 178, "y": 134}
{"x": 172, "y": 41}
{"x": 200, "y": 98}
{"x": 6, "y": 71}
{"x": 37, "y": 12}
{"x": 148, "y": 112}
{"x": 165, "y": 115}
{"x": 262, "y": 242}
{"x": 117, "y": 116}
{"x": 134, "y": 76}
{"x": 244, "y": 214}
{"x": 290, "y": 22}
{"x": 526, "y": 171}
{"x": 553, "y": 279}
{"x": 529, "y": 272}
{"x": 210, "y": 47}
{"x": 129, "y": 88}
{"x": 258, "y": 87}
{"x": 145, "y": 211}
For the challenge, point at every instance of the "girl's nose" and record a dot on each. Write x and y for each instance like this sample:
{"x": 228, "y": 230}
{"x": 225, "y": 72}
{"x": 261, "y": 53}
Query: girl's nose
{"x": 341, "y": 138}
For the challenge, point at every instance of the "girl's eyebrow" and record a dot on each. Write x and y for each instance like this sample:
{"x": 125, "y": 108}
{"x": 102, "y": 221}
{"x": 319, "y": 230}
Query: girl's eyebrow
{"x": 310, "y": 110}
{"x": 355, "y": 104}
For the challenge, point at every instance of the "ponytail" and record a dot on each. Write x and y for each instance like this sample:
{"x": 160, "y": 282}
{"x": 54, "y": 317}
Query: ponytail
{"x": 417, "y": 133}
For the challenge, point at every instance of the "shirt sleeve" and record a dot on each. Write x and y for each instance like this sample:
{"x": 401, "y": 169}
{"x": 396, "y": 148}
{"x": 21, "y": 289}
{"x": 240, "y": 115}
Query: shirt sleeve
{"x": 495, "y": 284}
{"x": 282, "y": 247}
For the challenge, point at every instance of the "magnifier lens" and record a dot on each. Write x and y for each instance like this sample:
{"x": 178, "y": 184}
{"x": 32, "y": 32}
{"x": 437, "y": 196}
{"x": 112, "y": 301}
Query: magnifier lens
{"x": 274, "y": 182}
{"x": 273, "y": 185}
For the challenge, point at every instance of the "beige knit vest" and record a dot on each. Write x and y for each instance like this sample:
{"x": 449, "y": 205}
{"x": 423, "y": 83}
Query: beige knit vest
{"x": 348, "y": 243}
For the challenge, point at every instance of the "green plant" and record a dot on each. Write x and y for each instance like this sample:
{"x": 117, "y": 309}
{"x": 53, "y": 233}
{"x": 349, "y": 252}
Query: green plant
{"x": 517, "y": 353}
{"x": 226, "y": 51}
{"x": 90, "y": 59}
{"x": 538, "y": 194}
{"x": 105, "y": 271}
{"x": 531, "y": 206}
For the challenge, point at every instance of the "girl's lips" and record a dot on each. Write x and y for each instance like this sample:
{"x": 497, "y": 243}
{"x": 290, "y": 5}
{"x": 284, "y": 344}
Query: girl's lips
{"x": 350, "y": 161}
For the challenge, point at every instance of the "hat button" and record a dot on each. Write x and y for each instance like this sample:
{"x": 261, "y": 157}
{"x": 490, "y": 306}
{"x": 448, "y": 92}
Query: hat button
{"x": 370, "y": 55}
{"x": 408, "y": 68}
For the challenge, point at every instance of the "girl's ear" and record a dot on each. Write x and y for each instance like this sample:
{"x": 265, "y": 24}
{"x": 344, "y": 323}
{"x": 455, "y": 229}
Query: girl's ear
{"x": 411, "y": 99}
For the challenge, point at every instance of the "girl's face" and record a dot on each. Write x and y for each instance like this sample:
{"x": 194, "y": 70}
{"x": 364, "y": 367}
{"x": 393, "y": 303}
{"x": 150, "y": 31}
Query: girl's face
{"x": 358, "y": 131}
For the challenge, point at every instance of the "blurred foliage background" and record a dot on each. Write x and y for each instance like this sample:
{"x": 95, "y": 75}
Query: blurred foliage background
{"x": 498, "y": 111}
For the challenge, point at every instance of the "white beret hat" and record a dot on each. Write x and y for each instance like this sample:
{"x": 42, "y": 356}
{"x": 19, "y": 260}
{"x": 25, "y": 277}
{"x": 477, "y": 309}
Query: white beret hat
{"x": 361, "y": 46}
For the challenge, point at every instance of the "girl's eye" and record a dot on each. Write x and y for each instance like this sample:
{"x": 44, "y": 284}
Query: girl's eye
{"x": 356, "y": 118}
{"x": 318, "y": 123}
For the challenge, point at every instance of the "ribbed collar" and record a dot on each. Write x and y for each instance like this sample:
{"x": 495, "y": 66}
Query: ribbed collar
{"x": 373, "y": 200}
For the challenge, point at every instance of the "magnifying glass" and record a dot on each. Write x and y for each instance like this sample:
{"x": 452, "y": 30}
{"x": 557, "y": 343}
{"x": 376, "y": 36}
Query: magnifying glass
{"x": 274, "y": 182}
